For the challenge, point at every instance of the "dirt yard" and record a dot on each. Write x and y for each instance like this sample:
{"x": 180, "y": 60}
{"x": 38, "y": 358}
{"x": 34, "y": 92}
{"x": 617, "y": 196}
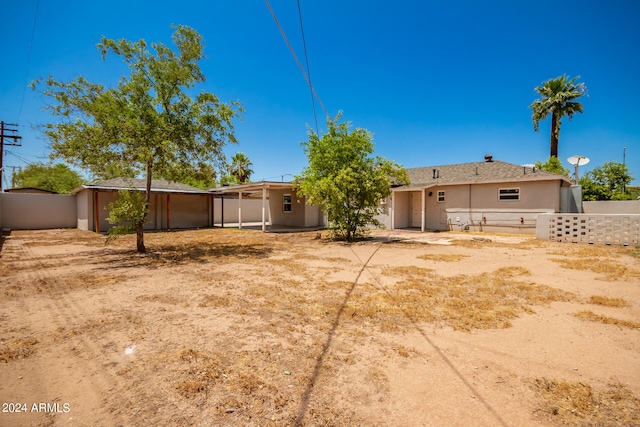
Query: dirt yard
{"x": 239, "y": 328}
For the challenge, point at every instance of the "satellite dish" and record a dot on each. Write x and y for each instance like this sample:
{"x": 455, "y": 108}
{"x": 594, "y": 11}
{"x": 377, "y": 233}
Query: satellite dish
{"x": 578, "y": 161}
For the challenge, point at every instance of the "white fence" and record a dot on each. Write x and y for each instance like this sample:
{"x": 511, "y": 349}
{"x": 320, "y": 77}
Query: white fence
{"x": 609, "y": 229}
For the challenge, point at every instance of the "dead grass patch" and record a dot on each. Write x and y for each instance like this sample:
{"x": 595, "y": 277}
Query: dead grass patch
{"x": 607, "y": 301}
{"x": 17, "y": 349}
{"x": 483, "y": 301}
{"x": 442, "y": 257}
{"x": 161, "y": 298}
{"x": 98, "y": 326}
{"x": 215, "y": 301}
{"x": 480, "y": 242}
{"x": 593, "y": 317}
{"x": 610, "y": 270}
{"x": 577, "y": 403}
{"x": 202, "y": 372}
{"x": 76, "y": 280}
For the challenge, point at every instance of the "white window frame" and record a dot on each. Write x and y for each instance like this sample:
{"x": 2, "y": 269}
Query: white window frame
{"x": 508, "y": 195}
{"x": 286, "y": 203}
{"x": 441, "y": 196}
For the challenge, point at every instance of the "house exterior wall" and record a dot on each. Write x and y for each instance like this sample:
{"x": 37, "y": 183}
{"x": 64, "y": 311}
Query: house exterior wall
{"x": 84, "y": 210}
{"x": 479, "y": 206}
{"x": 385, "y": 213}
{"x": 26, "y": 211}
{"x": 401, "y": 214}
{"x": 312, "y": 216}
{"x": 189, "y": 211}
{"x": 295, "y": 218}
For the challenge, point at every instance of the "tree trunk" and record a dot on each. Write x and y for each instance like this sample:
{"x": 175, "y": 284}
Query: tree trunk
{"x": 554, "y": 135}
{"x": 147, "y": 202}
{"x": 140, "y": 239}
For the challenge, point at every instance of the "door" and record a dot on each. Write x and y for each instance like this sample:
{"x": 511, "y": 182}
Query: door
{"x": 416, "y": 209}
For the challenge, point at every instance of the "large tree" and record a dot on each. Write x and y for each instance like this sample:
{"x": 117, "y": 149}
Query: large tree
{"x": 345, "y": 179}
{"x": 607, "y": 182}
{"x": 151, "y": 124}
{"x": 241, "y": 167}
{"x": 557, "y": 96}
{"x": 58, "y": 178}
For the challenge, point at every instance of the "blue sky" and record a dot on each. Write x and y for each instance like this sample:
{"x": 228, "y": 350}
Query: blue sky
{"x": 436, "y": 82}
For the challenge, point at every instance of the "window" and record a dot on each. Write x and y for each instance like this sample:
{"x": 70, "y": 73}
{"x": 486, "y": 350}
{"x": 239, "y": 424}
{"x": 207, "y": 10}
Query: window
{"x": 286, "y": 203}
{"x": 506, "y": 194}
{"x": 441, "y": 196}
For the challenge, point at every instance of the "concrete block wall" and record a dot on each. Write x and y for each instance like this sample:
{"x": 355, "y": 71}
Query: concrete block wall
{"x": 610, "y": 229}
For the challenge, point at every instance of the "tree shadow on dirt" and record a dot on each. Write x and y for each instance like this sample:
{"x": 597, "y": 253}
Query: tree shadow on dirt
{"x": 167, "y": 254}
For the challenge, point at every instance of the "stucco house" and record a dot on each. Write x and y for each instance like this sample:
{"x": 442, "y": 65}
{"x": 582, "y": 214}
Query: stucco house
{"x": 489, "y": 195}
{"x": 173, "y": 205}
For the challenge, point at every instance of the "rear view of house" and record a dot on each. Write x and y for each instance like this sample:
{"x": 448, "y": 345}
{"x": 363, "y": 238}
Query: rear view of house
{"x": 482, "y": 196}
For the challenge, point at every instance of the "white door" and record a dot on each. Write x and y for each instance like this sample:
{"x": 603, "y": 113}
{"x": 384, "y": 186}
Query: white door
{"x": 416, "y": 210}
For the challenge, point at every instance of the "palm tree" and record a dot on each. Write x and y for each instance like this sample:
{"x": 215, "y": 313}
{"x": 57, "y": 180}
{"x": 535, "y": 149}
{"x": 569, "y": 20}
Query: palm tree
{"x": 557, "y": 97}
{"x": 241, "y": 167}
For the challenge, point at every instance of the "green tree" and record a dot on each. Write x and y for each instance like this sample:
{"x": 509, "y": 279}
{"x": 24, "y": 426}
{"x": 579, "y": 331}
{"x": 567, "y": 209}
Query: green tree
{"x": 553, "y": 165}
{"x": 345, "y": 180}
{"x": 608, "y": 182}
{"x": 557, "y": 97}
{"x": 58, "y": 178}
{"x": 150, "y": 124}
{"x": 241, "y": 167}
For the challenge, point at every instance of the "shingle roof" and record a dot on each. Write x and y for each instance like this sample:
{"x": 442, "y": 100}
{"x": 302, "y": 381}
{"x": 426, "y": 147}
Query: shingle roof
{"x": 157, "y": 185}
{"x": 477, "y": 172}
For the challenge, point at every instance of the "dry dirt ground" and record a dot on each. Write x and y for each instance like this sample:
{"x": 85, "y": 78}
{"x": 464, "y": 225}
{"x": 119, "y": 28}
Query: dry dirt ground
{"x": 239, "y": 328}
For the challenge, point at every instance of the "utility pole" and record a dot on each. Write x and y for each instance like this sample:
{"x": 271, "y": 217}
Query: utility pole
{"x": 7, "y": 131}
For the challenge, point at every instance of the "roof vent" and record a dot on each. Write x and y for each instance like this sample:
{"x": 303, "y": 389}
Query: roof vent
{"x": 436, "y": 173}
{"x": 488, "y": 158}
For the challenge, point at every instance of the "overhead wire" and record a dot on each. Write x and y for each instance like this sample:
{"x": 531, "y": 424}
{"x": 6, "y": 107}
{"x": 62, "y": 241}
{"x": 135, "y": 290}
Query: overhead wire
{"x": 26, "y": 74}
{"x": 295, "y": 57}
{"x": 306, "y": 58}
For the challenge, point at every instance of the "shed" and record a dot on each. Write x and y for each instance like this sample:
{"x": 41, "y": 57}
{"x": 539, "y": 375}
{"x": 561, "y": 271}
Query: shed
{"x": 173, "y": 205}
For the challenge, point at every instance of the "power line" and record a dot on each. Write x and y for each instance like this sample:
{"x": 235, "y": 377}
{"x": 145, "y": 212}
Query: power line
{"x": 306, "y": 58}
{"x": 26, "y": 74}
{"x": 284, "y": 36}
{"x": 7, "y": 131}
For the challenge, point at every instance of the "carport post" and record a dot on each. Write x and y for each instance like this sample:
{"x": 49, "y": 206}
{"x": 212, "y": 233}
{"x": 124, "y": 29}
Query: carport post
{"x": 95, "y": 211}
{"x": 240, "y": 209}
{"x": 422, "y": 213}
{"x": 168, "y": 211}
{"x": 393, "y": 209}
{"x": 264, "y": 201}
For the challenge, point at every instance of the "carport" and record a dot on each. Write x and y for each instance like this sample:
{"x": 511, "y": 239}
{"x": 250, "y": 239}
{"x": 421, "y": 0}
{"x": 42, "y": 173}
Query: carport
{"x": 281, "y": 206}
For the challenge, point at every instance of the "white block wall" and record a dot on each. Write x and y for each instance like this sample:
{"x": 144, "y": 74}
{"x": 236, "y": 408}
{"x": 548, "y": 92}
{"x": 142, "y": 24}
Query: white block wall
{"x": 607, "y": 229}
